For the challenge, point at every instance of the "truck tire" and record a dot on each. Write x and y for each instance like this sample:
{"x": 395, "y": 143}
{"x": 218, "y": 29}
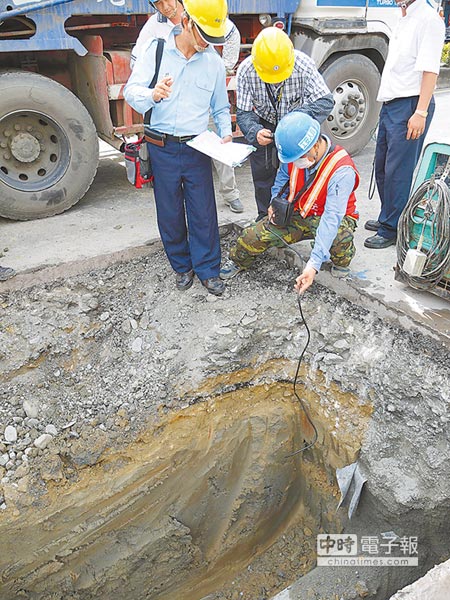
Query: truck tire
{"x": 48, "y": 147}
{"x": 354, "y": 81}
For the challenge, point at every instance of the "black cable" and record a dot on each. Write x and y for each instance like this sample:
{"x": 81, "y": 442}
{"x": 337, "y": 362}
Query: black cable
{"x": 311, "y": 444}
{"x": 302, "y": 404}
{"x": 372, "y": 183}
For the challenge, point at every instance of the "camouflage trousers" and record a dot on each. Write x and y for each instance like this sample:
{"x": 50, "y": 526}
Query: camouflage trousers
{"x": 257, "y": 238}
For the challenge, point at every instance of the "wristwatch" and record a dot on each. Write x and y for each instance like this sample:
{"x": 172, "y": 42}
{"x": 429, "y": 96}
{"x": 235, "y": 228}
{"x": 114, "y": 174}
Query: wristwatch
{"x": 422, "y": 113}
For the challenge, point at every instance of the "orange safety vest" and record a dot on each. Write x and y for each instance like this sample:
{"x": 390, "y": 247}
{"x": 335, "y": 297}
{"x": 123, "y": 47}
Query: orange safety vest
{"x": 312, "y": 202}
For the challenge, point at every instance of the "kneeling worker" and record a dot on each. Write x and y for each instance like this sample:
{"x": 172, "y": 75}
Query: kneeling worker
{"x": 320, "y": 180}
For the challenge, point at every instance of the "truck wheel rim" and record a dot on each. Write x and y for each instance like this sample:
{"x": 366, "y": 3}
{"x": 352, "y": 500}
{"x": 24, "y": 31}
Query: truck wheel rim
{"x": 34, "y": 151}
{"x": 350, "y": 109}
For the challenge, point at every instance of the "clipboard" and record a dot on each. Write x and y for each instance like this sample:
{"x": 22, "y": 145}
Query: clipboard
{"x": 231, "y": 153}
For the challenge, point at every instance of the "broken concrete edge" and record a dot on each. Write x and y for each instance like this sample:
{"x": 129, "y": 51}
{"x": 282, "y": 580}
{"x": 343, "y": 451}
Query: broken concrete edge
{"x": 351, "y": 289}
{"x": 435, "y": 584}
{"x": 47, "y": 273}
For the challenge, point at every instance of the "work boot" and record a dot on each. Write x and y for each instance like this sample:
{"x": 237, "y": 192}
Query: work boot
{"x": 254, "y": 221}
{"x": 378, "y": 241}
{"x": 229, "y": 269}
{"x": 184, "y": 281}
{"x": 6, "y": 273}
{"x": 235, "y": 205}
{"x": 372, "y": 225}
{"x": 339, "y": 272}
{"x": 214, "y": 286}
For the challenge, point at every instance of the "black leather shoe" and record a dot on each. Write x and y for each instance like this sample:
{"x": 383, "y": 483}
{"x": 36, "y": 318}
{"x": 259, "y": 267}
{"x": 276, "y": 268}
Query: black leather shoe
{"x": 378, "y": 241}
{"x": 372, "y": 225}
{"x": 184, "y": 280}
{"x": 214, "y": 286}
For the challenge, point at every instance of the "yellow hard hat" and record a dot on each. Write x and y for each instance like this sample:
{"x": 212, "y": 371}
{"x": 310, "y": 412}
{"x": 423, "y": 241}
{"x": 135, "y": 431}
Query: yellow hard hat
{"x": 210, "y": 17}
{"x": 273, "y": 55}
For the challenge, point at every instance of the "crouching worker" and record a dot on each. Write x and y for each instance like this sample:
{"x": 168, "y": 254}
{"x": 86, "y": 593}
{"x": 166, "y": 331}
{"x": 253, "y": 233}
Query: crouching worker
{"x": 316, "y": 181}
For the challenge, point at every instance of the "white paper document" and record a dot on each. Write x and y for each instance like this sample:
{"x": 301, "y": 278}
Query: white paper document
{"x": 231, "y": 153}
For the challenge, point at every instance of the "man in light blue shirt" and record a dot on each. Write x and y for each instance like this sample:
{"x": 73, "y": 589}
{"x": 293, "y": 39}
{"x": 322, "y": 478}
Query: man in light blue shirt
{"x": 191, "y": 85}
{"x": 168, "y": 15}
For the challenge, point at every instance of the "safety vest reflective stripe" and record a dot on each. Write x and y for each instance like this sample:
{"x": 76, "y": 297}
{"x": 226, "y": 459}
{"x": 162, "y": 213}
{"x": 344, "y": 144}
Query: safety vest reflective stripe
{"x": 293, "y": 183}
{"x": 321, "y": 179}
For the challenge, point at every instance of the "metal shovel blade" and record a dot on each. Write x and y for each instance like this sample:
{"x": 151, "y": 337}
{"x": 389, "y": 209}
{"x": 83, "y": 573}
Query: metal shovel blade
{"x": 350, "y": 481}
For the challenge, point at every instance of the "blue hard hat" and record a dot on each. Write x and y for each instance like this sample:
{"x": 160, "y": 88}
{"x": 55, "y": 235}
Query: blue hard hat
{"x": 295, "y": 135}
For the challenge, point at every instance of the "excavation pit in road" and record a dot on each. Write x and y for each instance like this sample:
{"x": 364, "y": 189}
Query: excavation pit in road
{"x": 152, "y": 435}
{"x": 191, "y": 504}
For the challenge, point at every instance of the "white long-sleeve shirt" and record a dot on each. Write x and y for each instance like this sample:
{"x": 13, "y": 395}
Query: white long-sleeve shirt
{"x": 415, "y": 47}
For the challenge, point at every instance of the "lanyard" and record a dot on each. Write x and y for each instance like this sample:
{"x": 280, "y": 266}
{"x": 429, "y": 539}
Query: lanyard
{"x": 275, "y": 100}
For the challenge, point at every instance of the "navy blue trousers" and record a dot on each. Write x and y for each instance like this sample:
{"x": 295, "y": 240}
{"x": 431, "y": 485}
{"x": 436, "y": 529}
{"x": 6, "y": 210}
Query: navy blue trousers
{"x": 395, "y": 160}
{"x": 186, "y": 208}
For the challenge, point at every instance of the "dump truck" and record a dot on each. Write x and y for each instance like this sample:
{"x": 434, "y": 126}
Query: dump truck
{"x": 64, "y": 64}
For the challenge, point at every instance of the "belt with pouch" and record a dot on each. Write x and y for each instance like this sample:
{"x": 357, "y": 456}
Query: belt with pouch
{"x": 159, "y": 139}
{"x": 182, "y": 139}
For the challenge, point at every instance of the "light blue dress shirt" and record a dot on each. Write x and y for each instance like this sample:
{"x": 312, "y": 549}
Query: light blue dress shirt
{"x": 339, "y": 189}
{"x": 198, "y": 87}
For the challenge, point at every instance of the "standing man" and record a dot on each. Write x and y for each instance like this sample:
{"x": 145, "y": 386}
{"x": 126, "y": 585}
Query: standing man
{"x": 406, "y": 90}
{"x": 168, "y": 15}
{"x": 191, "y": 86}
{"x": 225, "y": 174}
{"x": 320, "y": 180}
{"x": 273, "y": 81}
